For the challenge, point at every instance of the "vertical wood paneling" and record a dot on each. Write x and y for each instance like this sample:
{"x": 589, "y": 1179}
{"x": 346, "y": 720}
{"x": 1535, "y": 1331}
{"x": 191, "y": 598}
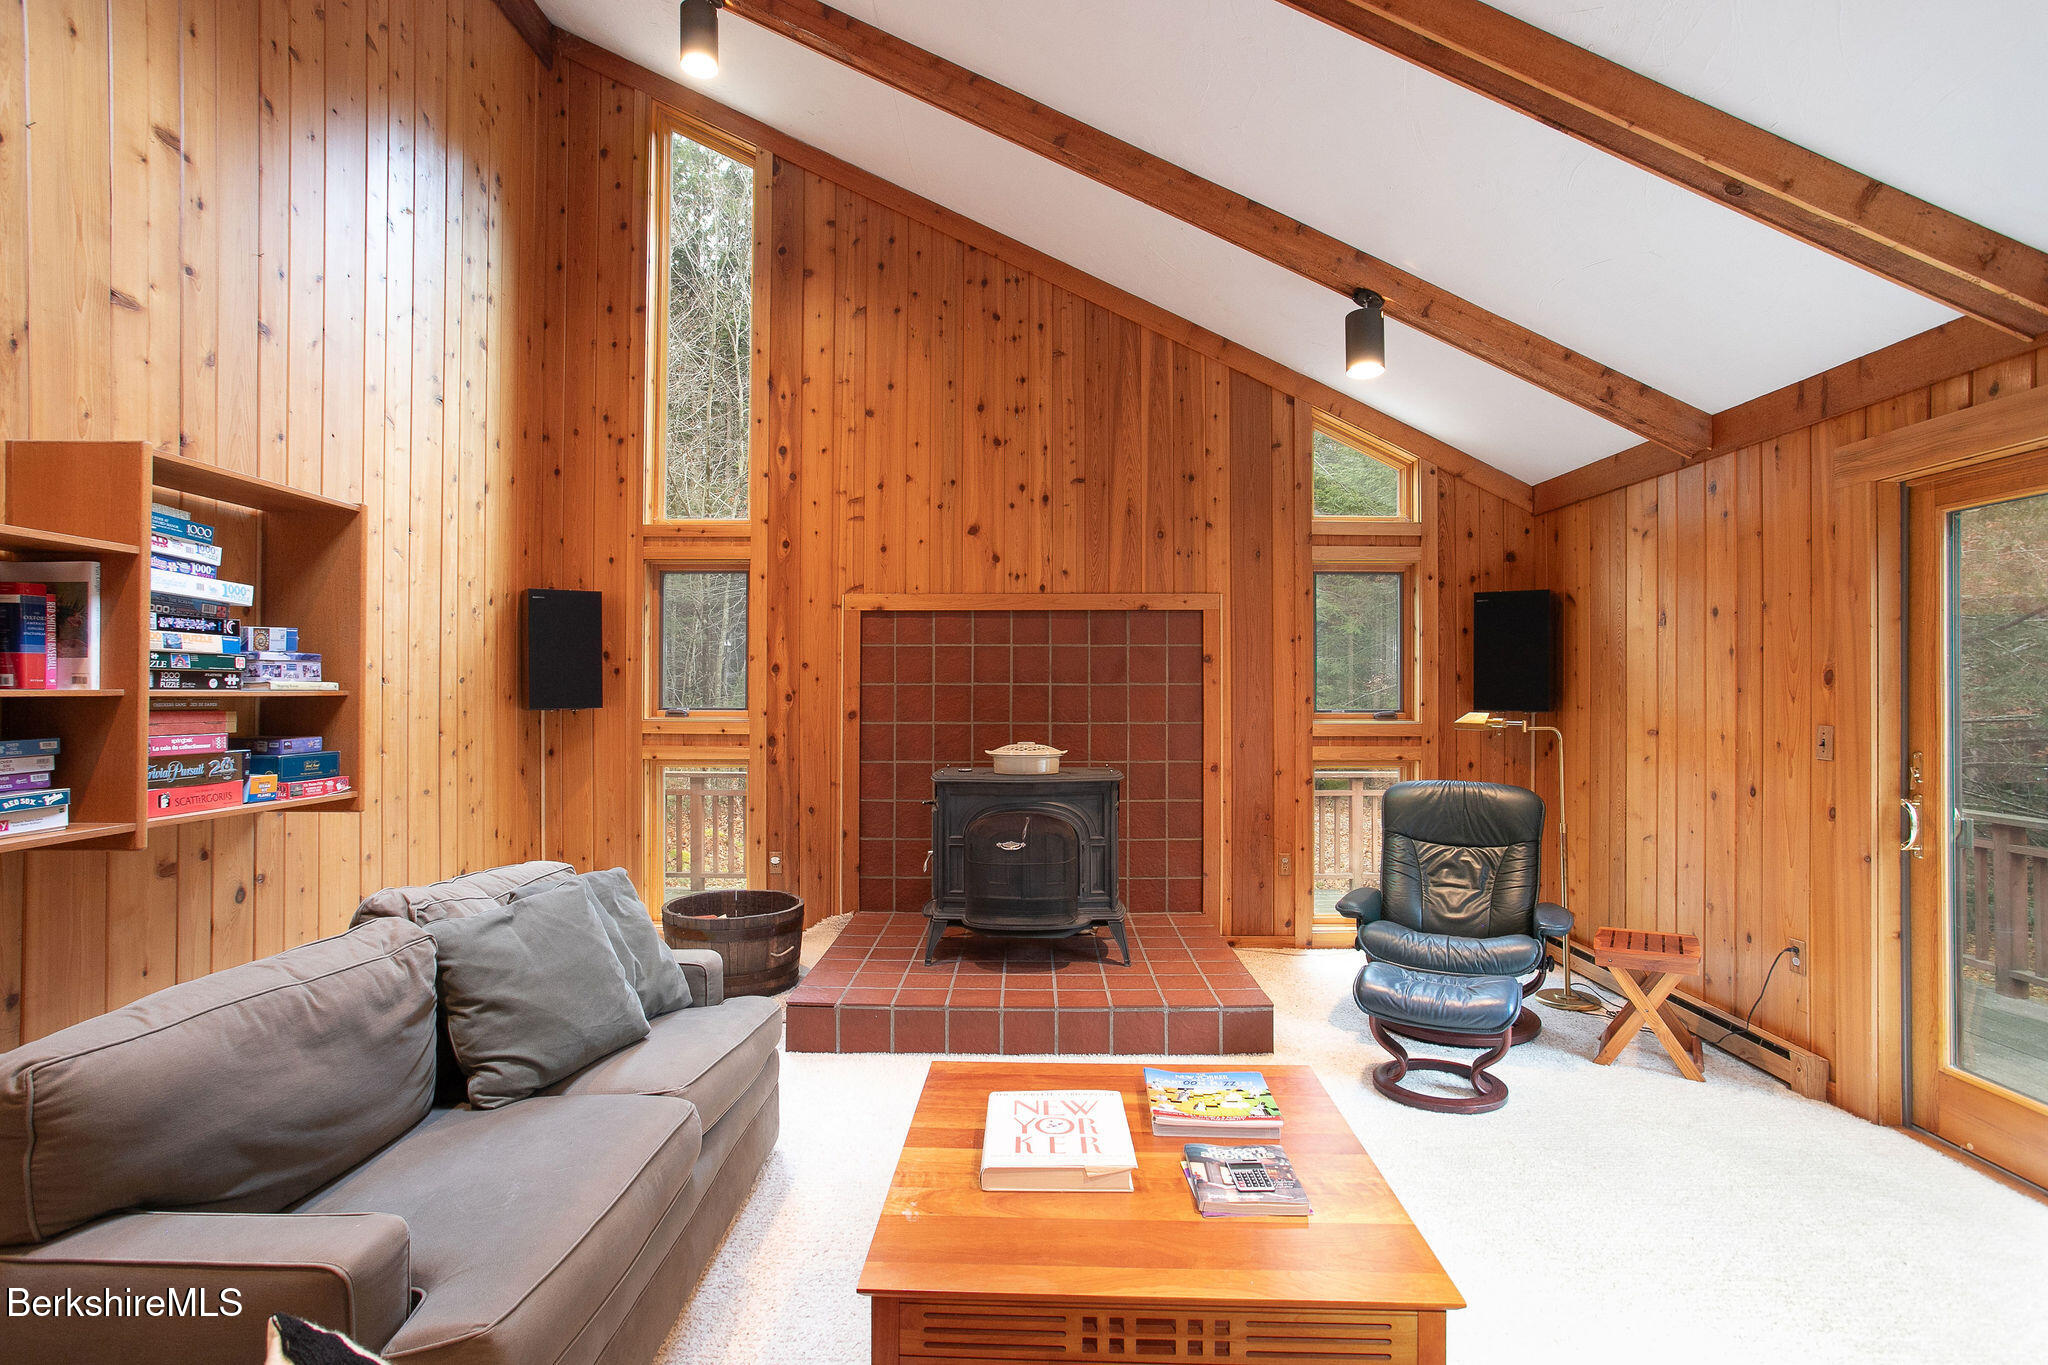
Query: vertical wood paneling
{"x": 265, "y": 241}
{"x": 1767, "y": 633}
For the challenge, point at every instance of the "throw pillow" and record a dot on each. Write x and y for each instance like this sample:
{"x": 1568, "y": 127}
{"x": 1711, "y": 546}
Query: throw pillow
{"x": 656, "y": 978}
{"x": 294, "y": 1341}
{"x": 533, "y": 993}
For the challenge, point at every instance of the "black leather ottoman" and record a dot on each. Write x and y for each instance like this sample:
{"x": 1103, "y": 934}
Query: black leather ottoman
{"x": 1459, "y": 1011}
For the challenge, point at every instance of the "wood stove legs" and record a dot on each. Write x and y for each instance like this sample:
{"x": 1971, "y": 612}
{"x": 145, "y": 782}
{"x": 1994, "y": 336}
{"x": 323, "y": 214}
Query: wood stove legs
{"x": 935, "y": 929}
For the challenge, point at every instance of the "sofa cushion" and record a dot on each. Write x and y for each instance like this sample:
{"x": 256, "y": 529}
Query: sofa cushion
{"x": 533, "y": 993}
{"x": 706, "y": 1056}
{"x": 523, "y": 1219}
{"x": 469, "y": 894}
{"x": 239, "y": 1091}
{"x": 644, "y": 958}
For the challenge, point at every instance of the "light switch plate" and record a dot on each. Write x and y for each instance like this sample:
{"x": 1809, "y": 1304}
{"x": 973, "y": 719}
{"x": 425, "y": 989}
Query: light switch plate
{"x": 1824, "y": 743}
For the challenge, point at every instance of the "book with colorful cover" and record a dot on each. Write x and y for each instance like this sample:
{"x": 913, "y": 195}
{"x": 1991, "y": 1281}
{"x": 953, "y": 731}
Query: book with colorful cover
{"x": 30, "y": 802}
{"x": 1234, "y": 1104}
{"x": 170, "y": 521}
{"x": 22, "y": 782}
{"x": 287, "y": 744}
{"x": 193, "y": 770}
{"x": 26, "y": 614}
{"x": 297, "y": 767}
{"x": 180, "y": 547}
{"x": 26, "y": 748}
{"x": 263, "y": 638}
{"x": 170, "y": 583}
{"x": 195, "y": 642}
{"x": 36, "y": 822}
{"x": 195, "y": 680}
{"x": 1242, "y": 1182}
{"x": 265, "y": 787}
{"x": 188, "y": 744}
{"x": 186, "y": 800}
{"x": 1056, "y": 1140}
{"x": 74, "y": 589}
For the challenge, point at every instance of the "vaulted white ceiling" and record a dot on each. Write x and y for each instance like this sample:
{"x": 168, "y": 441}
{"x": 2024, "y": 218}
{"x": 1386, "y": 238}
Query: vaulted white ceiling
{"x": 1525, "y": 221}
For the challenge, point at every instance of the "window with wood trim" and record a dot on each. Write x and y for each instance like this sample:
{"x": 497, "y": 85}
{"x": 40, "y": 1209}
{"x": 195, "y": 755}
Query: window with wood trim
{"x": 1357, "y": 479}
{"x": 701, "y": 640}
{"x": 1362, "y": 651}
{"x": 702, "y": 468}
{"x": 703, "y": 835}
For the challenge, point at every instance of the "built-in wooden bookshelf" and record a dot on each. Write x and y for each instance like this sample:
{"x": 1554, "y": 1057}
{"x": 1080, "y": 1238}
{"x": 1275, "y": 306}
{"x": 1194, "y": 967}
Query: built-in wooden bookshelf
{"x": 305, "y": 554}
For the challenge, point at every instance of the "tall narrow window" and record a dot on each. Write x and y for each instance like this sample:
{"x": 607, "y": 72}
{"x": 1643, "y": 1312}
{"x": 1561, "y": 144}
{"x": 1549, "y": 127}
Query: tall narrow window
{"x": 703, "y": 828}
{"x": 708, "y": 336}
{"x": 1347, "y": 832}
{"x": 703, "y": 640}
{"x": 1354, "y": 477}
{"x": 1360, "y": 659}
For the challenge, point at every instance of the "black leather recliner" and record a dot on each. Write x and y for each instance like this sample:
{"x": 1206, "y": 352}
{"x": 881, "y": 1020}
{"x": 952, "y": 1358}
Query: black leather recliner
{"x": 1458, "y": 879}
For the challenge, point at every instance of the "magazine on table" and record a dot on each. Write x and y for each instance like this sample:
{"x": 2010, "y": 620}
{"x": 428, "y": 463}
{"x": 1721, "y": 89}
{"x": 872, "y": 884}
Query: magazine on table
{"x": 1056, "y": 1140}
{"x": 1242, "y": 1182}
{"x": 1233, "y": 1105}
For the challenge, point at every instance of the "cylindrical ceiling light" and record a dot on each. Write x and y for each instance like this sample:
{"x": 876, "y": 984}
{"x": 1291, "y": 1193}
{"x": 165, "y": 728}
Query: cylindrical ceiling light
{"x": 700, "y": 38}
{"x": 1365, "y": 336}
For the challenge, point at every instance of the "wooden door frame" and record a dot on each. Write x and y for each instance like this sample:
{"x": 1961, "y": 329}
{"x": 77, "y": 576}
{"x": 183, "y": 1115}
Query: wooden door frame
{"x": 1874, "y": 932}
{"x": 1943, "y": 1100}
{"x": 1215, "y": 713}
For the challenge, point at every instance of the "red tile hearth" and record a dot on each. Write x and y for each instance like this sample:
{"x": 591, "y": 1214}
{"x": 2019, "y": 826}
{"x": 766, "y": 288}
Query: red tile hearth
{"x": 1116, "y": 689}
{"x": 1184, "y": 993}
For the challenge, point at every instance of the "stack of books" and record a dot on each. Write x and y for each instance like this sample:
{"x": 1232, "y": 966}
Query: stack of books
{"x": 195, "y": 641}
{"x": 191, "y": 767}
{"x": 1233, "y": 1106}
{"x": 29, "y": 804}
{"x": 50, "y": 626}
{"x": 1242, "y": 1182}
{"x": 275, "y": 662}
{"x": 293, "y": 767}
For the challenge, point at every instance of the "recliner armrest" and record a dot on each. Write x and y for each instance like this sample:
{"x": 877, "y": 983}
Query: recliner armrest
{"x": 1362, "y": 903}
{"x": 351, "y": 1272}
{"x": 1552, "y": 921}
{"x": 704, "y": 969}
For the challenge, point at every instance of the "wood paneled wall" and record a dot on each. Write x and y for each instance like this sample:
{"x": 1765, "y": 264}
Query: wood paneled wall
{"x": 942, "y": 411}
{"x": 1714, "y": 618}
{"x": 293, "y": 238}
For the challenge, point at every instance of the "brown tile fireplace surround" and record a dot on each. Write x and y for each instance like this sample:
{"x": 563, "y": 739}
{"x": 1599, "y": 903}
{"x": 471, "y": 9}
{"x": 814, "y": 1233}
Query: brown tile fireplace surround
{"x": 1115, "y": 688}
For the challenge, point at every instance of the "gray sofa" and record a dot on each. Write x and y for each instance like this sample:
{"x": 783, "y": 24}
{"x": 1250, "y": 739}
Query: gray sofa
{"x": 269, "y": 1138}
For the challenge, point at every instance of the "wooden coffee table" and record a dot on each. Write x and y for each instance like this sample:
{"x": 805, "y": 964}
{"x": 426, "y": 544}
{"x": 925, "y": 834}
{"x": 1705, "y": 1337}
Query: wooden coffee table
{"x": 958, "y": 1275}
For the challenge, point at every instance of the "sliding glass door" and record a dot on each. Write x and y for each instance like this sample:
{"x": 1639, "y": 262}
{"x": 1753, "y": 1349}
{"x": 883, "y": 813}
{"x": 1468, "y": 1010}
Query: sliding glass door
{"x": 1977, "y": 797}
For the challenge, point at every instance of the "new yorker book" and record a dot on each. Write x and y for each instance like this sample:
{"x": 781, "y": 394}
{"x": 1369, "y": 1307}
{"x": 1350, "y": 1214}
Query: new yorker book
{"x": 1056, "y": 1140}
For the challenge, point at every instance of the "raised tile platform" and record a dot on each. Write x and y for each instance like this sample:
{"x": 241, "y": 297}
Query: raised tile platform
{"x": 1184, "y": 993}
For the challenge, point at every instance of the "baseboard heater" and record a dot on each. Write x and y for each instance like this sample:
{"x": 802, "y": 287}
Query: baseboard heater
{"x": 1805, "y": 1072}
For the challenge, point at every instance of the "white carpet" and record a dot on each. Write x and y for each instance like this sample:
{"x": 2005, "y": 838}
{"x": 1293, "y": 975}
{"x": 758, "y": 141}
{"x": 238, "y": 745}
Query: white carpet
{"x": 1606, "y": 1213}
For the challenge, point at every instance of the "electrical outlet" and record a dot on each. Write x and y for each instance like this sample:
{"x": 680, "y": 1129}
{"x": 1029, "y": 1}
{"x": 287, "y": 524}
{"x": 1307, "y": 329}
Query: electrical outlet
{"x": 1824, "y": 744}
{"x": 1287, "y": 864}
{"x": 1798, "y": 961}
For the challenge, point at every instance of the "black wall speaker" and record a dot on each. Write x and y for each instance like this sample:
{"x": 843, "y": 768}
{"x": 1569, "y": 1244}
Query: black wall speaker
{"x": 564, "y": 650}
{"x": 1513, "y": 660}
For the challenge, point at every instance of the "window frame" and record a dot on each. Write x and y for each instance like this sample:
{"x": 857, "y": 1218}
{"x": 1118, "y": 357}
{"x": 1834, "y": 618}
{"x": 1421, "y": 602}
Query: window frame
{"x": 718, "y": 720}
{"x": 670, "y": 123}
{"x": 1402, "y": 463}
{"x": 1334, "y": 931}
{"x": 1397, "y": 560}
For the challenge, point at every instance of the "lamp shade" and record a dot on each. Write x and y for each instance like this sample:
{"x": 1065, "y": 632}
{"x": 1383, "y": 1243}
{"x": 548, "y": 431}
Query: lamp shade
{"x": 700, "y": 38}
{"x": 1365, "y": 337}
{"x": 1478, "y": 720}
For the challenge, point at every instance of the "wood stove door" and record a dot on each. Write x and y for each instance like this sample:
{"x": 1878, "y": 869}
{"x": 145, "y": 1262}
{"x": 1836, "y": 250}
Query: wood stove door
{"x": 1023, "y": 873}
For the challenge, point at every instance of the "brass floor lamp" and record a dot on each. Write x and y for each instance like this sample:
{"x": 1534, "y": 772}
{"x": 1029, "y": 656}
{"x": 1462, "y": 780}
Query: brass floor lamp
{"x": 1565, "y": 997}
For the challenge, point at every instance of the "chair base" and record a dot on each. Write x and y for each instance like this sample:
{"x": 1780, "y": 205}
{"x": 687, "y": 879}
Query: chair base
{"x": 1489, "y": 1092}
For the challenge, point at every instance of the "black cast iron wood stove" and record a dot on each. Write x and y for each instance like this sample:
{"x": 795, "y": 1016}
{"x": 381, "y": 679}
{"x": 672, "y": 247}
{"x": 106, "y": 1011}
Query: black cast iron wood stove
{"x": 1025, "y": 855}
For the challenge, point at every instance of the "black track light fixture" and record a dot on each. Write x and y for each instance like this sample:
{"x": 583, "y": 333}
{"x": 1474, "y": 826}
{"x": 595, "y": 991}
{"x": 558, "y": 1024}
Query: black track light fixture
{"x": 700, "y": 38}
{"x": 1365, "y": 336}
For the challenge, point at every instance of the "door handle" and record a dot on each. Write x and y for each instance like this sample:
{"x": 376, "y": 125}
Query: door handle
{"x": 1911, "y": 805}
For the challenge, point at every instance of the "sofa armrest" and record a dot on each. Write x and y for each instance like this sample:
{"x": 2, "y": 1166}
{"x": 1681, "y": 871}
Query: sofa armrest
{"x": 704, "y": 969}
{"x": 1552, "y": 921}
{"x": 351, "y": 1272}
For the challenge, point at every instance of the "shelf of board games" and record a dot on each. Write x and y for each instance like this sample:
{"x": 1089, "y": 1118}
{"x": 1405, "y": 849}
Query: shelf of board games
{"x": 305, "y": 554}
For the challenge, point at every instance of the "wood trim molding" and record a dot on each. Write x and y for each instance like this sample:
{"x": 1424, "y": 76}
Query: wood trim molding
{"x": 539, "y": 32}
{"x": 1235, "y": 218}
{"x": 1940, "y": 353}
{"x": 1390, "y": 431}
{"x": 1983, "y": 431}
{"x": 1802, "y": 194}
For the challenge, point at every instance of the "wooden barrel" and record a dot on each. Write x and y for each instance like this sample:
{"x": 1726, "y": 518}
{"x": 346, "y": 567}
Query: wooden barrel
{"x": 758, "y": 935}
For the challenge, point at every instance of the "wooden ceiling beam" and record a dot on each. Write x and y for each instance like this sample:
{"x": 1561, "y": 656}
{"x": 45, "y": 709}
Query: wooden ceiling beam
{"x": 1968, "y": 267}
{"x": 774, "y": 142}
{"x": 528, "y": 21}
{"x": 1243, "y": 222}
{"x": 1918, "y": 362}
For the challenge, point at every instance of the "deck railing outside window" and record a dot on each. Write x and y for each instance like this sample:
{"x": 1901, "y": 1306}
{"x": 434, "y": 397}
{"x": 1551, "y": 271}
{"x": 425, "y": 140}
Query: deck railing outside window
{"x": 704, "y": 830}
{"x": 1347, "y": 832}
{"x": 2003, "y": 888}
